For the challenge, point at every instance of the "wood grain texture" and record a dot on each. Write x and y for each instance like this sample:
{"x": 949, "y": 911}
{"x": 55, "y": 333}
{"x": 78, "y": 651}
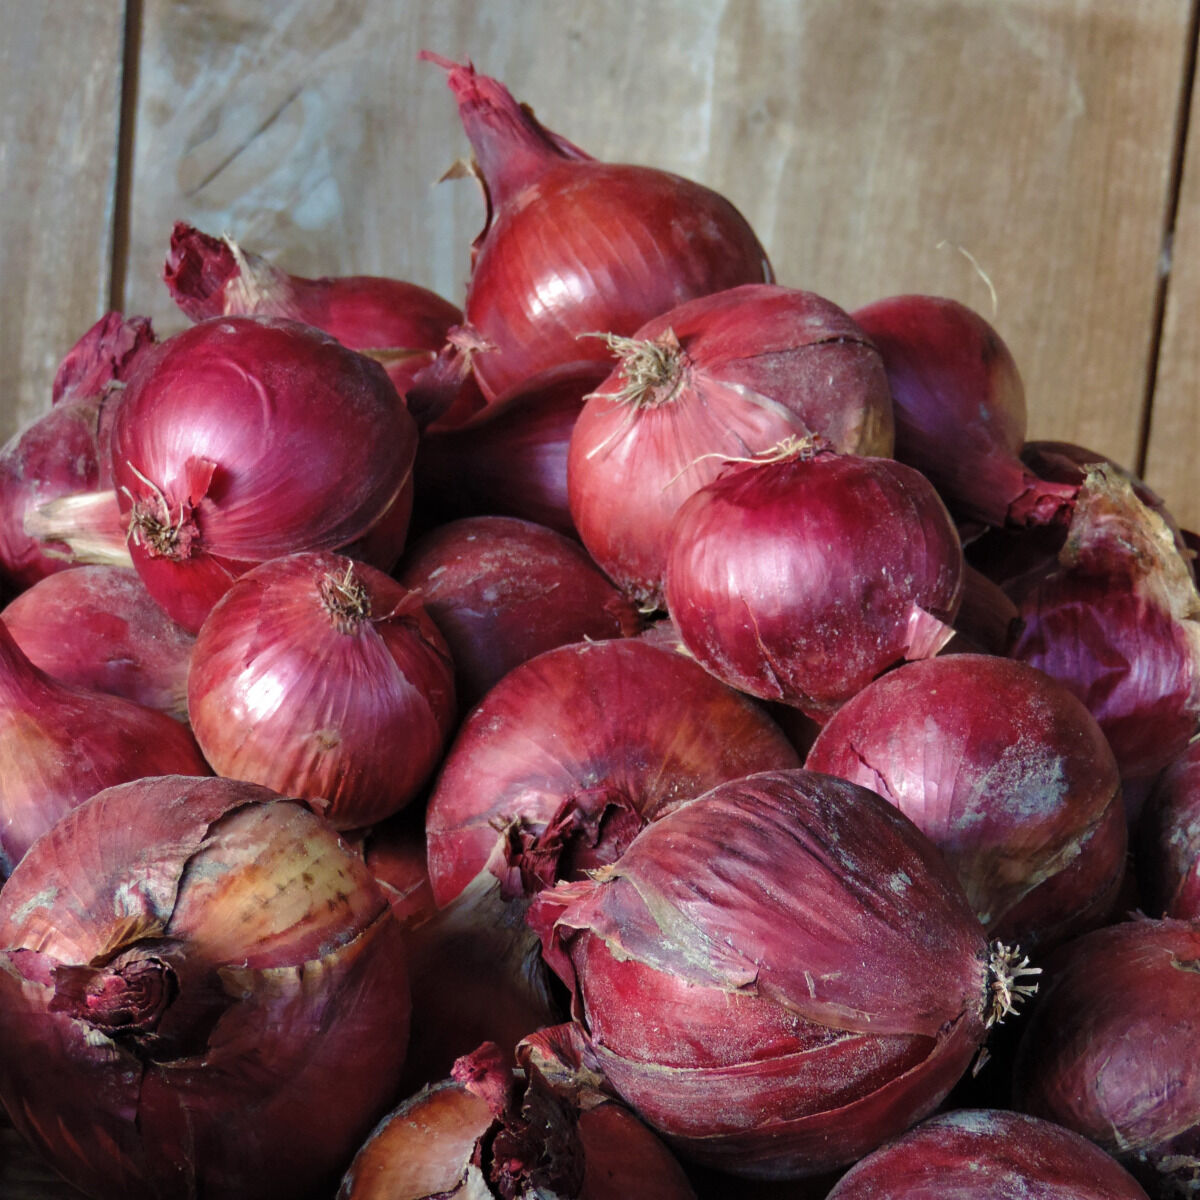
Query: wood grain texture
{"x": 60, "y": 79}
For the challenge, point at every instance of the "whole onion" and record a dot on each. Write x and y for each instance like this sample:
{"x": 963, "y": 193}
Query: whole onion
{"x": 803, "y": 575}
{"x": 246, "y": 438}
{"x": 777, "y": 976}
{"x": 502, "y": 590}
{"x": 59, "y": 744}
{"x": 1006, "y": 772}
{"x": 720, "y": 376}
{"x": 1169, "y": 840}
{"x": 959, "y": 405}
{"x": 1109, "y": 1050}
{"x": 323, "y": 678}
{"x": 203, "y": 993}
{"x": 574, "y": 246}
{"x": 974, "y": 1153}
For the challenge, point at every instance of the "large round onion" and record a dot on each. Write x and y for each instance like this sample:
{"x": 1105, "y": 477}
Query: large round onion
{"x": 203, "y": 993}
{"x": 246, "y": 438}
{"x": 1006, "y": 772}
{"x": 778, "y": 976}
{"x": 323, "y": 678}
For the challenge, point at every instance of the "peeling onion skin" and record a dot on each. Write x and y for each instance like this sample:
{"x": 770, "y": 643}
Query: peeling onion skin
{"x": 270, "y": 1026}
{"x": 1169, "y": 840}
{"x": 801, "y": 578}
{"x": 1007, "y": 773}
{"x": 205, "y": 448}
{"x": 574, "y": 246}
{"x": 616, "y": 731}
{"x": 1110, "y": 1048}
{"x": 777, "y": 976}
{"x": 324, "y": 679}
{"x": 974, "y": 1153}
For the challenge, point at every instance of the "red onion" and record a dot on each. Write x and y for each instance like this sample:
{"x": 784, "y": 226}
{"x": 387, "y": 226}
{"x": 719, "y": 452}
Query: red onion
{"x": 509, "y": 459}
{"x": 1118, "y": 621}
{"x": 394, "y": 851}
{"x": 97, "y": 627}
{"x": 975, "y": 1153}
{"x": 573, "y": 751}
{"x": 1007, "y": 774}
{"x": 802, "y": 576}
{"x": 1169, "y": 840}
{"x": 777, "y": 976}
{"x": 104, "y": 355}
{"x": 1111, "y": 1046}
{"x": 203, "y": 993}
{"x": 246, "y": 438}
{"x": 502, "y": 590}
{"x": 323, "y": 678}
{"x": 959, "y": 406}
{"x": 574, "y": 246}
{"x": 722, "y": 376}
{"x": 59, "y": 744}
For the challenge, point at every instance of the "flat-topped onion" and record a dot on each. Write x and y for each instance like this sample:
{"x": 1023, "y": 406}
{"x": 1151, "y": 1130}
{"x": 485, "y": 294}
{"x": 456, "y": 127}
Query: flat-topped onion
{"x": 1006, "y": 772}
{"x": 804, "y": 574}
{"x": 777, "y": 976}
{"x": 246, "y": 438}
{"x": 574, "y": 246}
{"x": 722, "y": 376}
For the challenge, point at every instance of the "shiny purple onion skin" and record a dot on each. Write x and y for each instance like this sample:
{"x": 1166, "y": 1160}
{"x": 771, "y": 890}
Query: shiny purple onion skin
{"x": 777, "y": 976}
{"x": 1007, "y": 773}
{"x": 1109, "y": 1049}
{"x": 969, "y": 1154}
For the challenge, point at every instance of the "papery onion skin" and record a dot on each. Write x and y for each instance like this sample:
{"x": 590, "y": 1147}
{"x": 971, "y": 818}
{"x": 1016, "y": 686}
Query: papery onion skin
{"x": 1007, "y": 773}
{"x": 98, "y": 627}
{"x": 584, "y": 743}
{"x": 722, "y": 376}
{"x": 278, "y": 1036}
{"x": 502, "y": 590}
{"x": 802, "y": 578}
{"x": 1109, "y": 1050}
{"x": 324, "y": 679}
{"x": 777, "y": 976}
{"x": 972, "y": 1153}
{"x": 1169, "y": 840}
{"x": 574, "y": 246}
{"x": 105, "y": 354}
{"x": 246, "y": 438}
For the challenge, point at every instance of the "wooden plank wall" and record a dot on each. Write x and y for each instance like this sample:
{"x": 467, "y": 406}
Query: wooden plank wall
{"x": 1026, "y": 148}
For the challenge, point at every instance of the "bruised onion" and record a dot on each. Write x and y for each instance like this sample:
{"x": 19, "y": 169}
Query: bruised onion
{"x": 98, "y": 627}
{"x": 502, "y": 590}
{"x": 973, "y": 1153}
{"x": 1006, "y": 772}
{"x": 803, "y": 575}
{"x": 959, "y": 405}
{"x": 1110, "y": 1048}
{"x": 721, "y": 376}
{"x": 323, "y": 678}
{"x": 246, "y": 438}
{"x": 59, "y": 744}
{"x": 778, "y": 975}
{"x": 574, "y": 246}
{"x": 203, "y": 993}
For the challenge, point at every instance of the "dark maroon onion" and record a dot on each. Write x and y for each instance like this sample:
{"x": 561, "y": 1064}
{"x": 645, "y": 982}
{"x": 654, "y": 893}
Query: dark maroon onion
{"x": 203, "y": 993}
{"x": 959, "y": 406}
{"x": 325, "y": 679}
{"x": 802, "y": 576}
{"x": 971, "y": 1154}
{"x": 1109, "y": 1050}
{"x": 1169, "y": 840}
{"x": 502, "y": 590}
{"x": 1007, "y": 773}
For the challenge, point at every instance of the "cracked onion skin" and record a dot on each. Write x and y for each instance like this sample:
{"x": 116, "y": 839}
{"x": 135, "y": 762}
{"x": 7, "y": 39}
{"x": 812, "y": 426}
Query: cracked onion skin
{"x": 201, "y": 988}
{"x": 777, "y": 976}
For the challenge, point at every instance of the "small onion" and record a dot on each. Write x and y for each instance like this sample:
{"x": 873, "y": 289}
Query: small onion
{"x": 325, "y": 679}
{"x": 777, "y": 976}
{"x": 802, "y": 576}
{"x": 974, "y": 1153}
{"x": 1169, "y": 840}
{"x": 1006, "y": 772}
{"x": 203, "y": 993}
